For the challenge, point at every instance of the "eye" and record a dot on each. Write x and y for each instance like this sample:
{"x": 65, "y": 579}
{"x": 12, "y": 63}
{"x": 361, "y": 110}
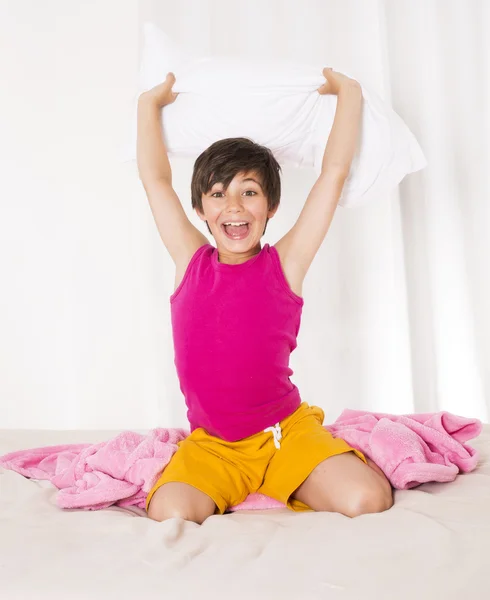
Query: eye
{"x": 251, "y": 191}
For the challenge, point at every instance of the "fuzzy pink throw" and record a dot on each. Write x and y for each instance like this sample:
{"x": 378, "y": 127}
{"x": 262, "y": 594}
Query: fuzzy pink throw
{"x": 410, "y": 449}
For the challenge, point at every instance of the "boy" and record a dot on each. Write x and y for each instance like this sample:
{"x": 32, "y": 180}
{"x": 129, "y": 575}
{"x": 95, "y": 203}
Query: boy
{"x": 235, "y": 317}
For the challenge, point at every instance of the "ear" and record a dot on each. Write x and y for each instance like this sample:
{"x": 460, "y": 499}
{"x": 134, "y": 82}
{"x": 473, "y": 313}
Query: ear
{"x": 271, "y": 213}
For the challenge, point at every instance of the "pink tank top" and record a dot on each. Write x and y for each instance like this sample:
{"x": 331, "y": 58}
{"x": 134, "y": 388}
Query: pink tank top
{"x": 234, "y": 328}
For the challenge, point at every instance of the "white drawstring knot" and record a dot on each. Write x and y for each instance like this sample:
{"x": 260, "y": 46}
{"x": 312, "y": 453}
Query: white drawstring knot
{"x": 277, "y": 434}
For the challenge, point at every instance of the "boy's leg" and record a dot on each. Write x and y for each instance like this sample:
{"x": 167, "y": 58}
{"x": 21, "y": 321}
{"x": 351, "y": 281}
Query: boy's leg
{"x": 314, "y": 470}
{"x": 175, "y": 499}
{"x": 204, "y": 476}
{"x": 345, "y": 484}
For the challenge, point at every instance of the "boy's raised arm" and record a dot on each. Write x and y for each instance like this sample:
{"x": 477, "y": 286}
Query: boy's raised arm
{"x": 301, "y": 243}
{"x": 178, "y": 234}
{"x": 152, "y": 158}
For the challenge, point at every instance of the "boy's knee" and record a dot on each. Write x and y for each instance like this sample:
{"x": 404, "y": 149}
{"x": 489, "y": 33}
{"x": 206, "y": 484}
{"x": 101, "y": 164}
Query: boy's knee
{"x": 368, "y": 501}
{"x": 163, "y": 513}
{"x": 166, "y": 504}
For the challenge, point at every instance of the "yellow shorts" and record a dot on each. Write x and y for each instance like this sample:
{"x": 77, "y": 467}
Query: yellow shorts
{"x": 229, "y": 471}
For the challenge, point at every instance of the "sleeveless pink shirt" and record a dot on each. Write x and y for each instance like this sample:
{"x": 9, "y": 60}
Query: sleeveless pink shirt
{"x": 234, "y": 328}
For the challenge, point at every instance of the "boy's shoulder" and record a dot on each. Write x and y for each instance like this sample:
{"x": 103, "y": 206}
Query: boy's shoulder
{"x": 183, "y": 261}
{"x": 294, "y": 277}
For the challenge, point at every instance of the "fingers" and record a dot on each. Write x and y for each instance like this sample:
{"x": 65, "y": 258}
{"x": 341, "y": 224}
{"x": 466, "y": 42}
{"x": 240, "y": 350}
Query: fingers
{"x": 170, "y": 80}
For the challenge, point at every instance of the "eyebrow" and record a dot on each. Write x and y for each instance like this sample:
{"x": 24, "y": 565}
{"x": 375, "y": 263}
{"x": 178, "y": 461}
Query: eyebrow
{"x": 243, "y": 181}
{"x": 251, "y": 179}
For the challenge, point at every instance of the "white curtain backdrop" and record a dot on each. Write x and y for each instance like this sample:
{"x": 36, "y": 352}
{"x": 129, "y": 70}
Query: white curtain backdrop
{"x": 397, "y": 301}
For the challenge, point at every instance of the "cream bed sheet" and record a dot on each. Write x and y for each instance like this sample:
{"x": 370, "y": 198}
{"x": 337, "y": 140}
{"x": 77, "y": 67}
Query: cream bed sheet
{"x": 433, "y": 544}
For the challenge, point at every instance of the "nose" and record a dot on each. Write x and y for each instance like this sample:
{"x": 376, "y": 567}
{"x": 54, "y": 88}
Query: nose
{"x": 234, "y": 200}
{"x": 233, "y": 205}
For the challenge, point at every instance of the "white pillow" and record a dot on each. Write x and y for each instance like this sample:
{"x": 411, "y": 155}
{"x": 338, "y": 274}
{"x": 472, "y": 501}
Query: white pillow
{"x": 275, "y": 103}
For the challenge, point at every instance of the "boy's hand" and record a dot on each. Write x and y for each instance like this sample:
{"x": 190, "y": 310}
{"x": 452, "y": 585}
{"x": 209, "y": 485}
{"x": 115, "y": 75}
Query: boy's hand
{"x": 335, "y": 81}
{"x": 162, "y": 93}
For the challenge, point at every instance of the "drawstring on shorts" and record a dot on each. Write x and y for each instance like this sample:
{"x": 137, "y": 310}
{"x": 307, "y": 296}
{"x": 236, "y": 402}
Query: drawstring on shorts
{"x": 277, "y": 434}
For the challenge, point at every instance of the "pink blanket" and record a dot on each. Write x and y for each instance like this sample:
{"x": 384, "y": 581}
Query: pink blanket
{"x": 410, "y": 449}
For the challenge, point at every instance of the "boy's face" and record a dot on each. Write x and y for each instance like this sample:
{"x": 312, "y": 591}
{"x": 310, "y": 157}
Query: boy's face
{"x": 244, "y": 200}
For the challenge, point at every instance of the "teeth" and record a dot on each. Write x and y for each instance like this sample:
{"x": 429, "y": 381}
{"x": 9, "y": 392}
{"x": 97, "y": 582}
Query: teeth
{"x": 236, "y": 224}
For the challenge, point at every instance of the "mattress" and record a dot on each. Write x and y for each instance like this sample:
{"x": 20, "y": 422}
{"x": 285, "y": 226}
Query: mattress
{"x": 434, "y": 543}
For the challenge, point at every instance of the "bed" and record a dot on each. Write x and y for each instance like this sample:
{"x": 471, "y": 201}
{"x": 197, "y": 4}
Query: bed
{"x": 434, "y": 543}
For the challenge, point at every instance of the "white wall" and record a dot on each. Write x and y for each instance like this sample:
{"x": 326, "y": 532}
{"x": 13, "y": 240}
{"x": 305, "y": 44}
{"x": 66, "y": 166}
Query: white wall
{"x": 75, "y": 268}
{"x": 388, "y": 323}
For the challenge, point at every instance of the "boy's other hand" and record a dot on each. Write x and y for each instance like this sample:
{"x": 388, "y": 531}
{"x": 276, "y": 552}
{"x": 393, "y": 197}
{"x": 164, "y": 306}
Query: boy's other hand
{"x": 335, "y": 81}
{"x": 162, "y": 93}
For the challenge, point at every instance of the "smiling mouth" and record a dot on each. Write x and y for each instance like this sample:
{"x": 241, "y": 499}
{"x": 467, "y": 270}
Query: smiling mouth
{"x": 236, "y": 232}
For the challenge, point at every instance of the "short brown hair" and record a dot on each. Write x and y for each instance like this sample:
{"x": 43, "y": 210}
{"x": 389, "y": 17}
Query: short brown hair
{"x": 225, "y": 158}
